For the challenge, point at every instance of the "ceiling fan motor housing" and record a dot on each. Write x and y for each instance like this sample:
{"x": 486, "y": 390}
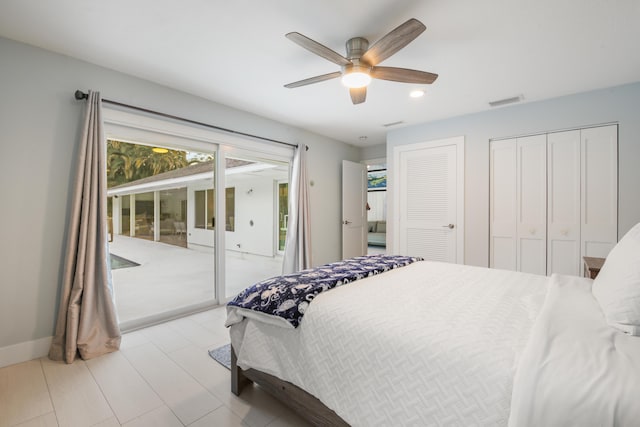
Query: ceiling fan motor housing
{"x": 356, "y": 47}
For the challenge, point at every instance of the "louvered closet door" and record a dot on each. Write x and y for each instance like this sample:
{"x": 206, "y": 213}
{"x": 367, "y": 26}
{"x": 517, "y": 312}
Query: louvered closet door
{"x": 599, "y": 207}
{"x": 503, "y": 205}
{"x": 563, "y": 199}
{"x": 532, "y": 204}
{"x": 428, "y": 203}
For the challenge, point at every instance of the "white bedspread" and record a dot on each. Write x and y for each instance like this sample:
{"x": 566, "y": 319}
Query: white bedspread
{"x": 576, "y": 370}
{"x": 426, "y": 344}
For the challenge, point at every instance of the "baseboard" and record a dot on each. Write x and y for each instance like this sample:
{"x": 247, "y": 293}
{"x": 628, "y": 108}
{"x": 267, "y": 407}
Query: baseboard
{"x": 24, "y": 351}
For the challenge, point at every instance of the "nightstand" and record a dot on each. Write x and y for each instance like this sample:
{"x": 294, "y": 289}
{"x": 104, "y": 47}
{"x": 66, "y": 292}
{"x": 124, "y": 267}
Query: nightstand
{"x": 592, "y": 266}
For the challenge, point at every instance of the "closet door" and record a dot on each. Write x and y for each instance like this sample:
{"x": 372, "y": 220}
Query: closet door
{"x": 502, "y": 205}
{"x": 563, "y": 199}
{"x": 599, "y": 208}
{"x": 531, "y": 185}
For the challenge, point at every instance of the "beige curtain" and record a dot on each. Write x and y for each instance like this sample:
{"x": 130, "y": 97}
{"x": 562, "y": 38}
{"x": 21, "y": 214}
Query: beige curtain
{"x": 297, "y": 252}
{"x": 87, "y": 323}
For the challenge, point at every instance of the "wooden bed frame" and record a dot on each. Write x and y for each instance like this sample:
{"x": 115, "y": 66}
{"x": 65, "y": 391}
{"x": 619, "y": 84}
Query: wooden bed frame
{"x": 304, "y": 404}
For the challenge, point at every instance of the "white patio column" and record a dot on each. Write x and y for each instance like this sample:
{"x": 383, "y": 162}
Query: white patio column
{"x": 116, "y": 215}
{"x": 132, "y": 215}
{"x": 156, "y": 216}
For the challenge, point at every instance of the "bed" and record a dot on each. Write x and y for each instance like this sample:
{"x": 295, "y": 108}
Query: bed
{"x": 443, "y": 344}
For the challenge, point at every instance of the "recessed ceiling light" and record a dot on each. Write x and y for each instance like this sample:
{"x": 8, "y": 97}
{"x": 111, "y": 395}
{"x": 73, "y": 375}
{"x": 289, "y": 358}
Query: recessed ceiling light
{"x": 416, "y": 93}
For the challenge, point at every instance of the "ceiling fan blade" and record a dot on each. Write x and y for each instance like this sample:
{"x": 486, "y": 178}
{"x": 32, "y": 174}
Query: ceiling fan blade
{"x": 403, "y": 75}
{"x": 312, "y": 80}
{"x": 393, "y": 41}
{"x": 358, "y": 95}
{"x": 317, "y": 48}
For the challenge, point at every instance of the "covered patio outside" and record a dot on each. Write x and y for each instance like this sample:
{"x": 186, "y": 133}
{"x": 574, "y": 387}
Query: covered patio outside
{"x": 170, "y": 277}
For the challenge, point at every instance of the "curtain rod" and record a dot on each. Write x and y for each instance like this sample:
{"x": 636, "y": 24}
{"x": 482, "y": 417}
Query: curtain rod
{"x": 81, "y": 95}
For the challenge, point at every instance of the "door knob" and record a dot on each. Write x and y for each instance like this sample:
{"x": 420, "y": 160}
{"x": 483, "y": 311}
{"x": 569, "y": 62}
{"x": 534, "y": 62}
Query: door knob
{"x": 346, "y": 222}
{"x": 450, "y": 226}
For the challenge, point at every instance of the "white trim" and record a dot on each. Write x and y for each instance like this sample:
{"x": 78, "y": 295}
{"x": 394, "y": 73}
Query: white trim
{"x": 24, "y": 351}
{"x": 524, "y": 135}
{"x": 393, "y": 173}
{"x": 220, "y": 237}
{"x": 138, "y": 128}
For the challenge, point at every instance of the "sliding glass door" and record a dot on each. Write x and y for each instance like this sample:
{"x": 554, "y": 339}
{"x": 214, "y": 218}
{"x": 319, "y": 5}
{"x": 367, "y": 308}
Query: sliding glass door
{"x": 163, "y": 217}
{"x": 255, "y": 218}
{"x": 195, "y": 215}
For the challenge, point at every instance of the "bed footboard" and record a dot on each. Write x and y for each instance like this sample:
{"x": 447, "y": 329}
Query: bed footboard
{"x": 304, "y": 404}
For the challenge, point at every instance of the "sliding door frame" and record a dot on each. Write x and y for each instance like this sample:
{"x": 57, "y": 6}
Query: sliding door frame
{"x": 138, "y": 128}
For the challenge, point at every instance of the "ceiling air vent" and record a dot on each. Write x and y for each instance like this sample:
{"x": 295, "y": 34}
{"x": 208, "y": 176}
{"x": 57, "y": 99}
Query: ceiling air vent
{"x": 506, "y": 101}
{"x": 387, "y": 125}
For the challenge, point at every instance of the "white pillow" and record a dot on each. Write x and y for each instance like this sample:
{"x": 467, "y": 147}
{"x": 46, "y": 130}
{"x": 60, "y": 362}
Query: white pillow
{"x": 617, "y": 286}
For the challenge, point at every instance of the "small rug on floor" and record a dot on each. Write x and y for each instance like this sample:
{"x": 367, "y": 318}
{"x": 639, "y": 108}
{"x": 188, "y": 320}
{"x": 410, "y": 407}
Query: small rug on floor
{"x": 222, "y": 355}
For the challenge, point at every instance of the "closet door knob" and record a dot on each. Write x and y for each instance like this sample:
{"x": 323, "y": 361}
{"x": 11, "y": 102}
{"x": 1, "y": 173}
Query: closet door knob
{"x": 450, "y": 226}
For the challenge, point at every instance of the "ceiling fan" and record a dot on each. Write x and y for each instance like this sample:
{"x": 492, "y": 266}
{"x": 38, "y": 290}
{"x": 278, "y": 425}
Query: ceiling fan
{"x": 361, "y": 63}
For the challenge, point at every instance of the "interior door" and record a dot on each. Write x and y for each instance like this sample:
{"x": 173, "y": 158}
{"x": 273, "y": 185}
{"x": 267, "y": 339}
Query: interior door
{"x": 429, "y": 188}
{"x": 531, "y": 182}
{"x": 503, "y": 205}
{"x": 563, "y": 203}
{"x": 354, "y": 223}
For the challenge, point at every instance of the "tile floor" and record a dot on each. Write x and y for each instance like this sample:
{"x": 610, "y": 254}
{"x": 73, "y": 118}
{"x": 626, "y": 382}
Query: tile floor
{"x": 162, "y": 376}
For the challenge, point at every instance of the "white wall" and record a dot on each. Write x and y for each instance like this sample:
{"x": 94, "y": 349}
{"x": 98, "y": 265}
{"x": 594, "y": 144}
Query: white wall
{"x": 373, "y": 152}
{"x": 256, "y": 207}
{"x": 40, "y": 122}
{"x": 619, "y": 104}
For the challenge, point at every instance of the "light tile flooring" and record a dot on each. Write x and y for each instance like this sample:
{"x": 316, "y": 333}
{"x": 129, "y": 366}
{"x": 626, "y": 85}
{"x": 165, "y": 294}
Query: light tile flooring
{"x": 162, "y": 376}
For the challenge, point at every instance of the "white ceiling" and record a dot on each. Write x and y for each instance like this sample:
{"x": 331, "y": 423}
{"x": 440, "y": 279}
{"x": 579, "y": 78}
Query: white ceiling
{"x": 235, "y": 52}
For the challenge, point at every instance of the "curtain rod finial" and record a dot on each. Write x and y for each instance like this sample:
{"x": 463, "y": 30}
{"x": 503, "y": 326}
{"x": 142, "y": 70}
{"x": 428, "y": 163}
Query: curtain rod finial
{"x": 81, "y": 95}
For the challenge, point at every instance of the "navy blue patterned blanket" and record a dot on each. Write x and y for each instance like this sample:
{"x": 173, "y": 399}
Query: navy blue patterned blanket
{"x": 288, "y": 296}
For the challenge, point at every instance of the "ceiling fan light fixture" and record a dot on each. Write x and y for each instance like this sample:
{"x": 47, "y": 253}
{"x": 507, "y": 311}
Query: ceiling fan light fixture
{"x": 356, "y": 78}
{"x": 360, "y": 64}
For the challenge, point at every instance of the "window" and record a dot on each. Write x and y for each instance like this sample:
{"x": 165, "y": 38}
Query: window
{"x": 205, "y": 213}
{"x": 230, "y": 209}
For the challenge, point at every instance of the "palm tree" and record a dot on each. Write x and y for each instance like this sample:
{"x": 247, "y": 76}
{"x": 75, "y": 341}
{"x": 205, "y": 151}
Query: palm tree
{"x": 129, "y": 162}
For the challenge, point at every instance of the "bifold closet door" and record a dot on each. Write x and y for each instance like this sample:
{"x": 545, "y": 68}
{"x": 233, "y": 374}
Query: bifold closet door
{"x": 531, "y": 196}
{"x": 563, "y": 200}
{"x": 503, "y": 205}
{"x": 599, "y": 205}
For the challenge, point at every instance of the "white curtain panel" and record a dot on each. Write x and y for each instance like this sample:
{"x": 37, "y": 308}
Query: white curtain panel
{"x": 87, "y": 323}
{"x": 297, "y": 252}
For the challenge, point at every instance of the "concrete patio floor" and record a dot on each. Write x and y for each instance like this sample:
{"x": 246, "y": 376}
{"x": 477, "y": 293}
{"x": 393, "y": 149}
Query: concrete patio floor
{"x": 171, "y": 278}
